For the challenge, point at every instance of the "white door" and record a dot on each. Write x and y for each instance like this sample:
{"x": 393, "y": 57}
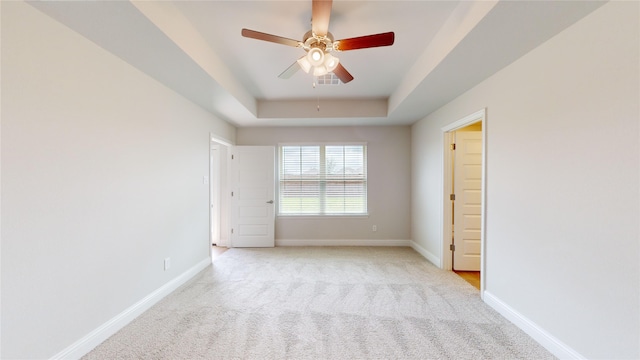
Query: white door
{"x": 467, "y": 205}
{"x": 253, "y": 196}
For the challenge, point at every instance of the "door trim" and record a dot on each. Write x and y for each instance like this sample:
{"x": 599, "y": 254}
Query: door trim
{"x": 223, "y": 181}
{"x": 446, "y": 215}
{"x": 215, "y": 192}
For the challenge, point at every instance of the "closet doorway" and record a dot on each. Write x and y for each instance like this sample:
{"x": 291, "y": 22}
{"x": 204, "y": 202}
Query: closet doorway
{"x": 463, "y": 197}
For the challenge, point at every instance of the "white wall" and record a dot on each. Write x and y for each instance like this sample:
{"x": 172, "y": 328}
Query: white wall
{"x": 563, "y": 183}
{"x": 389, "y": 188}
{"x": 102, "y": 178}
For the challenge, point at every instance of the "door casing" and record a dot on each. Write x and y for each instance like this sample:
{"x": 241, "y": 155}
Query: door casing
{"x": 447, "y": 173}
{"x": 218, "y": 197}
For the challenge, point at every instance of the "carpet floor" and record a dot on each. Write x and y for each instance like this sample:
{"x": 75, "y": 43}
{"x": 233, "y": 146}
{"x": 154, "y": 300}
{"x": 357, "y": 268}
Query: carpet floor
{"x": 321, "y": 303}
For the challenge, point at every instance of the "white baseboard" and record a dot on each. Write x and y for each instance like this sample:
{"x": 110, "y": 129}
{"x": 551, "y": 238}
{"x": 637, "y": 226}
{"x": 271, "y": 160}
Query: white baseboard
{"x": 103, "y": 332}
{"x": 427, "y": 255}
{"x": 342, "y": 242}
{"x": 548, "y": 341}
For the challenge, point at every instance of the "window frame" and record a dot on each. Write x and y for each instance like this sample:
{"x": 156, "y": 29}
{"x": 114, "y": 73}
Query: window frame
{"x": 323, "y": 146}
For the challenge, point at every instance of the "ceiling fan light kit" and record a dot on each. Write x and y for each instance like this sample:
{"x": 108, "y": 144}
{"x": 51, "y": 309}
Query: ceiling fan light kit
{"x": 319, "y": 42}
{"x": 331, "y": 62}
{"x": 316, "y": 57}
{"x": 322, "y": 63}
{"x": 304, "y": 63}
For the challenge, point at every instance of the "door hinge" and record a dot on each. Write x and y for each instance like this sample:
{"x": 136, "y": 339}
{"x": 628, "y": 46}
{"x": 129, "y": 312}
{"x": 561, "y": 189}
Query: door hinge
{"x": 232, "y": 230}
{"x": 452, "y": 197}
{"x": 452, "y": 247}
{"x": 452, "y": 146}
{"x": 232, "y": 193}
{"x": 231, "y": 156}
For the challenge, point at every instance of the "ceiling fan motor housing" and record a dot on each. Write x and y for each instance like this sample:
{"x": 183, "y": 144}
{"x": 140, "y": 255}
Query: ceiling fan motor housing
{"x": 312, "y": 41}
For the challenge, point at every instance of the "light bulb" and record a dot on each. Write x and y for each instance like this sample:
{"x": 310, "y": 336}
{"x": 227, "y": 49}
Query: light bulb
{"x": 315, "y": 57}
{"x": 331, "y": 62}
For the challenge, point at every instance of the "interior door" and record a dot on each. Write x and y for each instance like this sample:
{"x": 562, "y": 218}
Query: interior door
{"x": 468, "y": 201}
{"x": 253, "y": 196}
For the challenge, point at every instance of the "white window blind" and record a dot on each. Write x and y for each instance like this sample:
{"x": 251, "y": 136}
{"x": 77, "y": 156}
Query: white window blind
{"x": 323, "y": 180}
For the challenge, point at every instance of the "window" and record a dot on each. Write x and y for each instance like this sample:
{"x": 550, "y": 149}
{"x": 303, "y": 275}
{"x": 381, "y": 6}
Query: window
{"x": 323, "y": 180}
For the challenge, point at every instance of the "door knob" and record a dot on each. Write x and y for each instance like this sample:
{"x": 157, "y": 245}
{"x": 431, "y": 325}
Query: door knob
{"x": 270, "y": 202}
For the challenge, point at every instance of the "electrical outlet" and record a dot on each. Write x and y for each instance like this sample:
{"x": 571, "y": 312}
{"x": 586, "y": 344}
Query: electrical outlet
{"x": 167, "y": 263}
{"x": 374, "y": 228}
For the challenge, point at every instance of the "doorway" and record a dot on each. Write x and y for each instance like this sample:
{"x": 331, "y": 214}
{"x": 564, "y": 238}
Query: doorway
{"x": 218, "y": 199}
{"x": 463, "y": 197}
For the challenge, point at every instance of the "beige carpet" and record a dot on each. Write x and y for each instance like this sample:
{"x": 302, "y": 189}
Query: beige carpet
{"x": 321, "y": 303}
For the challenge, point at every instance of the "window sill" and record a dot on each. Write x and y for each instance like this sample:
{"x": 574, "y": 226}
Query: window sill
{"x": 323, "y": 217}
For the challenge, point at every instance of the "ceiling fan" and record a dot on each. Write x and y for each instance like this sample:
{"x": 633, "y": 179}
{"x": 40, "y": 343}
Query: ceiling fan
{"x": 319, "y": 43}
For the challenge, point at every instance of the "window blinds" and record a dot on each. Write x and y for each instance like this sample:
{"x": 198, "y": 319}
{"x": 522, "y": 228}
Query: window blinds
{"x": 323, "y": 180}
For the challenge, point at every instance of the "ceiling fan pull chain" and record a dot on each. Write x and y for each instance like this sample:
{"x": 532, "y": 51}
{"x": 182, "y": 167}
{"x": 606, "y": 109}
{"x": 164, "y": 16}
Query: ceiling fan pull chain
{"x": 317, "y": 96}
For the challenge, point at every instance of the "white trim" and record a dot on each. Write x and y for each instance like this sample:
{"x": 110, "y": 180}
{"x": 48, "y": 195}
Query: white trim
{"x": 483, "y": 201}
{"x": 220, "y": 140}
{"x": 425, "y": 253}
{"x": 467, "y": 120}
{"x": 446, "y": 216}
{"x": 548, "y": 341}
{"x": 104, "y": 331}
{"x": 341, "y": 242}
{"x": 229, "y": 189}
{"x": 222, "y": 190}
{"x": 323, "y": 143}
{"x": 323, "y": 217}
{"x": 211, "y": 183}
{"x": 478, "y": 116}
{"x": 215, "y": 194}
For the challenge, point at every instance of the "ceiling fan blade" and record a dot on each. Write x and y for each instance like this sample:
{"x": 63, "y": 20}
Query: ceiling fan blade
{"x": 363, "y": 42}
{"x": 320, "y": 15}
{"x": 290, "y": 71}
{"x": 342, "y": 74}
{"x": 268, "y": 37}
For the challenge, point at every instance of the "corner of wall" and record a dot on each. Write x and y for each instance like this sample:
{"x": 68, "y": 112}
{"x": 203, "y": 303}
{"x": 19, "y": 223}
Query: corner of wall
{"x": 88, "y": 342}
{"x": 548, "y": 341}
{"x": 435, "y": 260}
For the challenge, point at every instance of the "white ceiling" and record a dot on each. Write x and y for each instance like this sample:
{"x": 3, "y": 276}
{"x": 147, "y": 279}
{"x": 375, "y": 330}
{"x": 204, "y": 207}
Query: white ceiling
{"x": 442, "y": 49}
